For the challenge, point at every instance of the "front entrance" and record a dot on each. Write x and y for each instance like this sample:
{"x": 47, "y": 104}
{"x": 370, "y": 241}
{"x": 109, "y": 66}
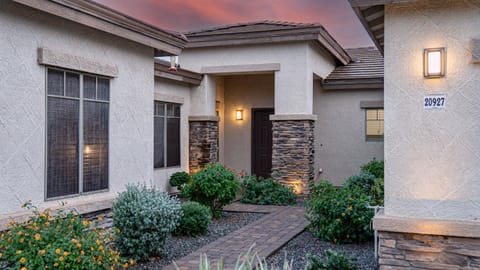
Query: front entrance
{"x": 262, "y": 142}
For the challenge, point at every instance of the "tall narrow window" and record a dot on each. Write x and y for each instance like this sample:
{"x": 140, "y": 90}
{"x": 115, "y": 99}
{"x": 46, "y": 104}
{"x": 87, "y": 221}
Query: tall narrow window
{"x": 374, "y": 123}
{"x": 166, "y": 134}
{"x": 69, "y": 130}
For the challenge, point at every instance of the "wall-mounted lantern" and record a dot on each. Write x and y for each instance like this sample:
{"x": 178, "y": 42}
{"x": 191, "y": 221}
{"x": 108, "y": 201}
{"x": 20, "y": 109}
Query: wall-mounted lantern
{"x": 239, "y": 114}
{"x": 434, "y": 62}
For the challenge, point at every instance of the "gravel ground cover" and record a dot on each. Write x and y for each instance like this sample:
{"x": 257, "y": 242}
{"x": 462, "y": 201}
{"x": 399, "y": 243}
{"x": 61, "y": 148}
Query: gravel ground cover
{"x": 305, "y": 243}
{"x": 177, "y": 247}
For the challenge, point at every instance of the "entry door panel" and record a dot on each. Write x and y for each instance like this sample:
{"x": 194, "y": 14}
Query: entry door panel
{"x": 262, "y": 142}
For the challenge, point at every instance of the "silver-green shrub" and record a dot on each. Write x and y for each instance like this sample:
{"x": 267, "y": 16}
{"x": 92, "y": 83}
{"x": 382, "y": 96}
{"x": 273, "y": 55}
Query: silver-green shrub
{"x": 144, "y": 218}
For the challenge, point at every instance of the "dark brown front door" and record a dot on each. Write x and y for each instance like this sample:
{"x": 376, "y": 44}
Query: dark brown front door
{"x": 261, "y": 142}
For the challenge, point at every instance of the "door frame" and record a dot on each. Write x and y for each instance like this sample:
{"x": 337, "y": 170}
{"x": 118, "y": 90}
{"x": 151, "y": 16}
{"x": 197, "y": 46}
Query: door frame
{"x": 252, "y": 153}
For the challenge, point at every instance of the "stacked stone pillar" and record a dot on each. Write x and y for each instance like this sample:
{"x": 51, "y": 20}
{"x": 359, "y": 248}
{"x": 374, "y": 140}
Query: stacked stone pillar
{"x": 203, "y": 141}
{"x": 293, "y": 151}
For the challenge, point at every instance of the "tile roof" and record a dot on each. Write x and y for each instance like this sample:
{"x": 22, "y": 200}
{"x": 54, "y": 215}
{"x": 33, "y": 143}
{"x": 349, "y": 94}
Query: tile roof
{"x": 367, "y": 64}
{"x": 262, "y": 32}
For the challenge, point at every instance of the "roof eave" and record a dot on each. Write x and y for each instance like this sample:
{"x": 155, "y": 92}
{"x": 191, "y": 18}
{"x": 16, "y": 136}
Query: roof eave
{"x": 357, "y": 83}
{"x": 97, "y": 16}
{"x": 162, "y": 70}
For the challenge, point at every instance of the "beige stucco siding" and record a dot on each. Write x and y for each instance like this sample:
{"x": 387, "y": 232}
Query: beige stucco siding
{"x": 340, "y": 144}
{"x": 174, "y": 92}
{"x": 243, "y": 92}
{"x": 22, "y": 103}
{"x": 432, "y": 156}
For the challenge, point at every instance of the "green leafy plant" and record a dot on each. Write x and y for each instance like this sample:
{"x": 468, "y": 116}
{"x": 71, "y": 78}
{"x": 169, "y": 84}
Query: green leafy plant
{"x": 247, "y": 261}
{"x": 214, "y": 186}
{"x": 195, "y": 219}
{"x": 339, "y": 215}
{"x": 257, "y": 190}
{"x": 375, "y": 167}
{"x": 145, "y": 218}
{"x": 60, "y": 241}
{"x": 333, "y": 261}
{"x": 178, "y": 179}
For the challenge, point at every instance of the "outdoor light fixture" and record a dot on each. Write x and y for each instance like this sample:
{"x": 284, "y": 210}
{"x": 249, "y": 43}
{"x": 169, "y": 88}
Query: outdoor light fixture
{"x": 434, "y": 63}
{"x": 239, "y": 115}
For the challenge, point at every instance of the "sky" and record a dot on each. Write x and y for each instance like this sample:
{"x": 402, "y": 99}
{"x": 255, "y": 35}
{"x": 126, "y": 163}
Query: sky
{"x": 185, "y": 15}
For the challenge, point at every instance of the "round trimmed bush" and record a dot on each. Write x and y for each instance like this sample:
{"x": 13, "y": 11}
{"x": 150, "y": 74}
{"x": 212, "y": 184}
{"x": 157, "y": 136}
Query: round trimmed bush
{"x": 145, "y": 218}
{"x": 178, "y": 179}
{"x": 257, "y": 190}
{"x": 214, "y": 186}
{"x": 195, "y": 219}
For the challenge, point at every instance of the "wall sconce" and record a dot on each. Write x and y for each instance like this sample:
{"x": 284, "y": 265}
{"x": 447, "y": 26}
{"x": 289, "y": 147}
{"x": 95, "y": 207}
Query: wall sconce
{"x": 239, "y": 114}
{"x": 434, "y": 62}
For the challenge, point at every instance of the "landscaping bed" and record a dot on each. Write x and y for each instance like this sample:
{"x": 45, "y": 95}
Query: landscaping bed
{"x": 178, "y": 247}
{"x": 305, "y": 243}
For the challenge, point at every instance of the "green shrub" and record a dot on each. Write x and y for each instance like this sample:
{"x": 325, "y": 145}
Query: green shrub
{"x": 178, "y": 179}
{"x": 375, "y": 167}
{"x": 195, "y": 219}
{"x": 333, "y": 261}
{"x": 339, "y": 215}
{"x": 145, "y": 218}
{"x": 214, "y": 186}
{"x": 369, "y": 185}
{"x": 266, "y": 191}
{"x": 63, "y": 241}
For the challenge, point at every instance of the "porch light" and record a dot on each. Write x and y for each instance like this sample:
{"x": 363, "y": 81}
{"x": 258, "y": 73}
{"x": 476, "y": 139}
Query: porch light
{"x": 239, "y": 115}
{"x": 434, "y": 62}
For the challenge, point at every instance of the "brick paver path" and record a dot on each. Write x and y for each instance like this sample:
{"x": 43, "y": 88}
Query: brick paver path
{"x": 268, "y": 234}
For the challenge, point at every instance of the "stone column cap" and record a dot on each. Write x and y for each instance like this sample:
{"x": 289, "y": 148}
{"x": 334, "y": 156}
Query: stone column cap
{"x": 203, "y": 118}
{"x": 458, "y": 228}
{"x": 289, "y": 117}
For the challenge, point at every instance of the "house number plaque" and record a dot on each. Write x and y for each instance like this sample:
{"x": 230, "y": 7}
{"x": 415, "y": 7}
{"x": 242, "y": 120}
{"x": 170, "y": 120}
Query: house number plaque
{"x": 434, "y": 101}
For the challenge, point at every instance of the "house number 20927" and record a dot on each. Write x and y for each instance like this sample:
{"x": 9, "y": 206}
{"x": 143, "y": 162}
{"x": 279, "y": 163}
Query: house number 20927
{"x": 434, "y": 102}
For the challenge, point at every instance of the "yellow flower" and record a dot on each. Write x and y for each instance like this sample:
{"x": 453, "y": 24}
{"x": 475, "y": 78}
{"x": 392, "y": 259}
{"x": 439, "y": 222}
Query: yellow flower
{"x": 22, "y": 260}
{"x": 85, "y": 223}
{"x": 343, "y": 214}
{"x": 60, "y": 259}
{"x": 100, "y": 218}
{"x": 55, "y": 264}
{"x": 57, "y": 251}
{"x": 47, "y": 223}
{"x": 19, "y": 252}
{"x": 23, "y": 268}
{"x": 21, "y": 240}
{"x": 74, "y": 240}
{"x": 1, "y": 255}
{"x": 125, "y": 265}
{"x": 131, "y": 262}
{"x": 42, "y": 215}
{"x": 98, "y": 242}
{"x": 66, "y": 253}
{"x": 37, "y": 236}
{"x": 79, "y": 245}
{"x": 350, "y": 208}
{"x": 72, "y": 220}
{"x": 92, "y": 248}
{"x": 82, "y": 252}
{"x": 100, "y": 257}
{"x": 20, "y": 233}
{"x": 42, "y": 252}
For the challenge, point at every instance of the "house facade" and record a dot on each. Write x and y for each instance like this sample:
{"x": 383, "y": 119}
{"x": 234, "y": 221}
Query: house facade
{"x": 431, "y": 217}
{"x": 86, "y": 106}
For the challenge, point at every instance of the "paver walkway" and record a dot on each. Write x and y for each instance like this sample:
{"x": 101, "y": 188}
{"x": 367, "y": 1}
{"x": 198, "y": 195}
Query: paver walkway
{"x": 268, "y": 234}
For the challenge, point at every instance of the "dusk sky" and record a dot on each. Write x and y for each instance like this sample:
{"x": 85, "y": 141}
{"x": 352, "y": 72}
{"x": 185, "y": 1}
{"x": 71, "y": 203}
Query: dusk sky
{"x": 184, "y": 15}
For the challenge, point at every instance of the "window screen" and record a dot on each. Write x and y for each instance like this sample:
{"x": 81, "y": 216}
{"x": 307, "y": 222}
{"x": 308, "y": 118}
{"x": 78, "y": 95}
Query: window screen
{"x": 166, "y": 134}
{"x": 374, "y": 123}
{"x": 65, "y": 161}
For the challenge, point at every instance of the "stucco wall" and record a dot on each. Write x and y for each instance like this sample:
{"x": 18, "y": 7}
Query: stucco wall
{"x": 22, "y": 103}
{"x": 432, "y": 156}
{"x": 176, "y": 92}
{"x": 293, "y": 82}
{"x": 340, "y": 144}
{"x": 243, "y": 92}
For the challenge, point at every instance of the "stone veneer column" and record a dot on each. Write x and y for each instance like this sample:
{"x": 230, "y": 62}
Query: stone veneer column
{"x": 203, "y": 141}
{"x": 293, "y": 151}
{"x": 427, "y": 244}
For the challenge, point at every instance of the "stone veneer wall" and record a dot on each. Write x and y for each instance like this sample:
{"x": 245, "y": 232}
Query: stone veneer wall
{"x": 418, "y": 251}
{"x": 293, "y": 153}
{"x": 203, "y": 143}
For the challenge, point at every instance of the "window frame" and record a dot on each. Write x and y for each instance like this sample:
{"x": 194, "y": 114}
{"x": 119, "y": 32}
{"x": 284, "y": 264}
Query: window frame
{"x": 370, "y": 138}
{"x": 165, "y": 116}
{"x": 81, "y": 100}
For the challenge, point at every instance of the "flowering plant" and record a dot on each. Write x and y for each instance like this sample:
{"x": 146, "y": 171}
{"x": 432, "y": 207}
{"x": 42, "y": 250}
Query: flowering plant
{"x": 63, "y": 241}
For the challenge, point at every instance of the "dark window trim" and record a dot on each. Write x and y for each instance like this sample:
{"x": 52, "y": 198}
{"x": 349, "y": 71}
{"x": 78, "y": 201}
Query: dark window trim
{"x": 80, "y": 146}
{"x": 373, "y": 138}
{"x": 165, "y": 131}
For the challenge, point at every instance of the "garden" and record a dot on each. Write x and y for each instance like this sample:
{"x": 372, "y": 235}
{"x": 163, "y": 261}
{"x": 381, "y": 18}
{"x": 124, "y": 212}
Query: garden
{"x": 148, "y": 229}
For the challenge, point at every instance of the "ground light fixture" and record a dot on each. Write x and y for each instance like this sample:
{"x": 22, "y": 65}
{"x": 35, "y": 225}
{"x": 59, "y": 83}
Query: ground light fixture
{"x": 434, "y": 62}
{"x": 239, "y": 114}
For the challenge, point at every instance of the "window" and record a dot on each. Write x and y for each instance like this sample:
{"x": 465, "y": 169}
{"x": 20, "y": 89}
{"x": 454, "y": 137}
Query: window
{"x": 77, "y": 118}
{"x": 374, "y": 123}
{"x": 166, "y": 135}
